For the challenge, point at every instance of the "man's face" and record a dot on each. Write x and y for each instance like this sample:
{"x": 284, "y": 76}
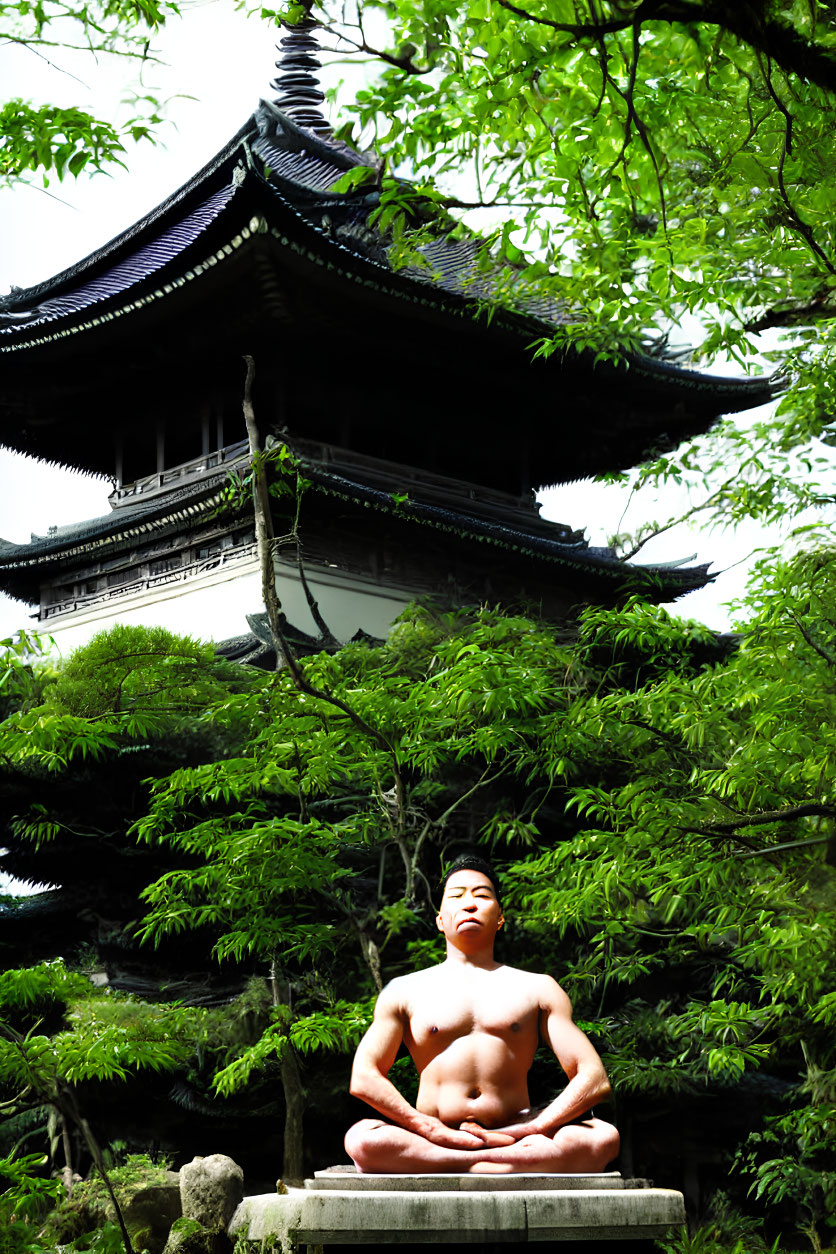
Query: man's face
{"x": 469, "y": 909}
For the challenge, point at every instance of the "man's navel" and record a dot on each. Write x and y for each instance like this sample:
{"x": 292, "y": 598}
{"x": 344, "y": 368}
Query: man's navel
{"x": 433, "y": 1030}
{"x": 515, "y": 1027}
{"x": 474, "y": 1093}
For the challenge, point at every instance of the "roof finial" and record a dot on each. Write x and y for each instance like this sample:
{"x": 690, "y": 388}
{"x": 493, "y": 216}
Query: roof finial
{"x": 299, "y": 90}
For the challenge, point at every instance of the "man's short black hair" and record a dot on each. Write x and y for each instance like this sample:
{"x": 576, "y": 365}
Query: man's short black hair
{"x": 471, "y": 862}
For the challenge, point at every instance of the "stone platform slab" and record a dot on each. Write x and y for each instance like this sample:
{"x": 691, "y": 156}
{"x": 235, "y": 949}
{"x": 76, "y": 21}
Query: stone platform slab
{"x": 352, "y": 1209}
{"x": 452, "y": 1182}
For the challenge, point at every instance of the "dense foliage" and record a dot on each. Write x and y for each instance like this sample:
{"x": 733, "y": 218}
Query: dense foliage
{"x": 663, "y": 810}
{"x": 649, "y": 161}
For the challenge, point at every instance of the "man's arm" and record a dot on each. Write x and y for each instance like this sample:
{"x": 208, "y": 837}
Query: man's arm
{"x": 577, "y": 1056}
{"x": 375, "y": 1055}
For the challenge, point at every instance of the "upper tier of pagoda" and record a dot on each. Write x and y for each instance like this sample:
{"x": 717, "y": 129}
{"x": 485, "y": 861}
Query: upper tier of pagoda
{"x": 429, "y": 366}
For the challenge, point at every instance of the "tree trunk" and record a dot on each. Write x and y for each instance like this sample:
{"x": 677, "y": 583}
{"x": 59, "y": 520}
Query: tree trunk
{"x": 294, "y": 1098}
{"x": 294, "y": 1093}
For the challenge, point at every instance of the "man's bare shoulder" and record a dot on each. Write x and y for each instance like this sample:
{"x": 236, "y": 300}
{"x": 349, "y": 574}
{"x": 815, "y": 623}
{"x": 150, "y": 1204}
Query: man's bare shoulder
{"x": 402, "y": 988}
{"x": 550, "y": 996}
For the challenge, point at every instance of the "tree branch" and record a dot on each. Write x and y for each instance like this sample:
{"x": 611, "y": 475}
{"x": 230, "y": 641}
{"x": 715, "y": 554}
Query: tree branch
{"x": 482, "y": 782}
{"x": 580, "y": 30}
{"x": 33, "y": 44}
{"x": 404, "y": 63}
{"x": 668, "y": 526}
{"x": 790, "y": 844}
{"x": 778, "y": 40}
{"x": 796, "y": 221}
{"x": 96, "y": 1155}
{"x": 53, "y": 65}
{"x": 823, "y": 653}
{"x": 60, "y": 1094}
{"x": 807, "y": 809}
{"x": 793, "y": 315}
{"x": 633, "y": 119}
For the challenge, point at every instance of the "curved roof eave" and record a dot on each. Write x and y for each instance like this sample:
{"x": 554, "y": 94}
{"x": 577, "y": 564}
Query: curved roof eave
{"x": 194, "y": 502}
{"x": 214, "y": 173}
{"x": 299, "y": 170}
{"x": 122, "y": 527}
{"x": 127, "y": 240}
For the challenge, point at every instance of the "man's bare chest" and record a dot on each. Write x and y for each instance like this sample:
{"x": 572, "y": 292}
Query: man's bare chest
{"x": 438, "y": 1016}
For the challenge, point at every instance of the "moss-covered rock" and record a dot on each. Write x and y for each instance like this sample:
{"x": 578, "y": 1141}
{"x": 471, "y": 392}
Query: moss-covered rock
{"x": 187, "y": 1236}
{"x": 149, "y": 1211}
{"x": 149, "y": 1197}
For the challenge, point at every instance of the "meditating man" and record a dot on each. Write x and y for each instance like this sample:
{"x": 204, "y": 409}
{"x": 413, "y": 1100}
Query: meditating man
{"x": 472, "y": 1027}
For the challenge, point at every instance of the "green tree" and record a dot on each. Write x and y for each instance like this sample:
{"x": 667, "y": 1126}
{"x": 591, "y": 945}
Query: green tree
{"x": 663, "y": 808}
{"x": 103, "y": 1038}
{"x": 666, "y": 813}
{"x": 77, "y": 749}
{"x": 57, "y": 141}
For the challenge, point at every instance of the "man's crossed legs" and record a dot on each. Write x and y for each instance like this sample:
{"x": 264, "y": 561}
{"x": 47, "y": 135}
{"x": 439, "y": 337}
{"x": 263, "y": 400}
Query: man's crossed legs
{"x": 380, "y": 1147}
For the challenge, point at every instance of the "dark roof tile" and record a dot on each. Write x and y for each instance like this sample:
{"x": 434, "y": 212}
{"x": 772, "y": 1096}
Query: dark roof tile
{"x": 134, "y": 268}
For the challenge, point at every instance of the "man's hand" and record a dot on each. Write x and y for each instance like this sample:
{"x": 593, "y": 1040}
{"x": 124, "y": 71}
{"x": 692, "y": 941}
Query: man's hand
{"x": 465, "y": 1137}
{"x": 531, "y": 1125}
{"x": 490, "y": 1138}
{"x": 537, "y": 1123}
{"x": 515, "y": 1132}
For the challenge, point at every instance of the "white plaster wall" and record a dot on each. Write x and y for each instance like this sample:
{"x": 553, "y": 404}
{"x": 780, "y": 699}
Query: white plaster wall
{"x": 214, "y": 606}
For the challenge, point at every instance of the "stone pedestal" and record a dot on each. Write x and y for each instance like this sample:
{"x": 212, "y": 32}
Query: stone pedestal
{"x": 341, "y": 1207}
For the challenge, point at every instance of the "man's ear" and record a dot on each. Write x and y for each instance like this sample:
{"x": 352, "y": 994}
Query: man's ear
{"x": 501, "y": 921}
{"x": 438, "y": 923}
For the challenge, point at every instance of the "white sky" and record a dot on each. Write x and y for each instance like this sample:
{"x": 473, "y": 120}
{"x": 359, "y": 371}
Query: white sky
{"x": 218, "y": 64}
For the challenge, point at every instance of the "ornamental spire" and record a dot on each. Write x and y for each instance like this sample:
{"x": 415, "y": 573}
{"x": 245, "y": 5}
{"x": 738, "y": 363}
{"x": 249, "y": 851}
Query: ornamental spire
{"x": 299, "y": 94}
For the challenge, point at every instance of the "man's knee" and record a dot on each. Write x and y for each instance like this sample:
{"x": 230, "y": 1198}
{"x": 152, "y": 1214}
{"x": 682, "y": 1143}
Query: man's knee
{"x": 359, "y": 1140}
{"x": 591, "y": 1144}
{"x": 607, "y": 1142}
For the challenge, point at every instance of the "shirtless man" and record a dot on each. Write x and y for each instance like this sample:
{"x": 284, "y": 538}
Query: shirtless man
{"x": 472, "y": 1027}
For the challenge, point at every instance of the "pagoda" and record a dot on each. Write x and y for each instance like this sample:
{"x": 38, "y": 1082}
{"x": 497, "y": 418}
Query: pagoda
{"x": 410, "y": 398}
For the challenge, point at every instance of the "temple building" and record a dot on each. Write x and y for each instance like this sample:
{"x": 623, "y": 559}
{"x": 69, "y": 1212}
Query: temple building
{"x": 419, "y": 421}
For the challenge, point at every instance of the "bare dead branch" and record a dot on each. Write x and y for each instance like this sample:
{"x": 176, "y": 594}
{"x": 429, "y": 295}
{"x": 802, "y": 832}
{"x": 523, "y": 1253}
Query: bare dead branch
{"x": 265, "y": 538}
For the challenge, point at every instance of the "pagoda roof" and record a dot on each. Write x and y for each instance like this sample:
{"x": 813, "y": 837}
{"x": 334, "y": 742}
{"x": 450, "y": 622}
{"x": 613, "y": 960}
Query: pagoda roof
{"x": 258, "y": 253}
{"x": 23, "y": 567}
{"x": 350, "y": 487}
